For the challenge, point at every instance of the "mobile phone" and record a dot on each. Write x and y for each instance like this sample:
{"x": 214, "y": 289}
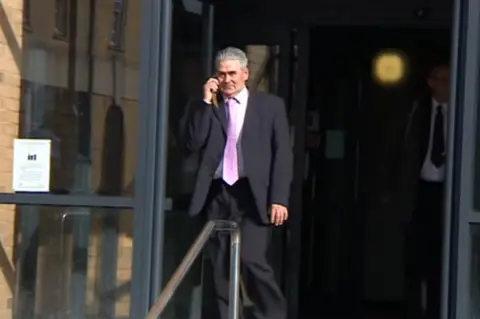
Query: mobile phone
{"x": 215, "y": 99}
{"x": 215, "y": 93}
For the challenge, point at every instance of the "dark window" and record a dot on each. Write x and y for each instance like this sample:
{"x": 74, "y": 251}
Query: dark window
{"x": 61, "y": 18}
{"x": 26, "y": 13}
{"x": 119, "y": 14}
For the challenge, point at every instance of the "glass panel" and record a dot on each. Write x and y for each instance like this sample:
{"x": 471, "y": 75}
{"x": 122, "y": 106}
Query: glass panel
{"x": 79, "y": 90}
{"x": 263, "y": 66}
{"x": 186, "y": 82}
{"x": 69, "y": 262}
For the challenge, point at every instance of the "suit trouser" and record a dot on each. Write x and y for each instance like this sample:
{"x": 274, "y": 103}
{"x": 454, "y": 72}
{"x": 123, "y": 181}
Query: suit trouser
{"x": 427, "y": 222}
{"x": 236, "y": 203}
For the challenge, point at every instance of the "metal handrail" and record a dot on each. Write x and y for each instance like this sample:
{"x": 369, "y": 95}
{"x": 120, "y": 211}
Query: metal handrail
{"x": 191, "y": 256}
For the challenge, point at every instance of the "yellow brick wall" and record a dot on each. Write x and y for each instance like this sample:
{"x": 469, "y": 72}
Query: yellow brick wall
{"x": 34, "y": 55}
{"x": 10, "y": 74}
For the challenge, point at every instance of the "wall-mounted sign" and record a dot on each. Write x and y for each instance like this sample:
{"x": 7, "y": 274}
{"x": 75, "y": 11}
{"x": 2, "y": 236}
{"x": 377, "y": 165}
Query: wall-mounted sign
{"x": 31, "y": 165}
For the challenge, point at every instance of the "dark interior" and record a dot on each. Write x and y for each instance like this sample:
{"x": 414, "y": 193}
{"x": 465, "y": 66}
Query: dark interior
{"x": 354, "y": 247}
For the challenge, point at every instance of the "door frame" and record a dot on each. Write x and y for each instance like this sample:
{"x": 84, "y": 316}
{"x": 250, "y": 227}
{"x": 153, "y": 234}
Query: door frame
{"x": 460, "y": 214}
{"x": 145, "y": 202}
{"x": 298, "y": 81}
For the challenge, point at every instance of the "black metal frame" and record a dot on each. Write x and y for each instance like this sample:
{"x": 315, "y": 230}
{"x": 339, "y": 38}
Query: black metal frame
{"x": 300, "y": 55}
{"x": 66, "y": 200}
{"x": 146, "y": 198}
{"x": 460, "y": 213}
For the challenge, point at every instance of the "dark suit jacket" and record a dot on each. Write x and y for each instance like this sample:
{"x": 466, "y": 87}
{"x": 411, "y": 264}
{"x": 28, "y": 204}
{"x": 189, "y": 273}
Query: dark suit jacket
{"x": 267, "y": 155}
{"x": 410, "y": 147}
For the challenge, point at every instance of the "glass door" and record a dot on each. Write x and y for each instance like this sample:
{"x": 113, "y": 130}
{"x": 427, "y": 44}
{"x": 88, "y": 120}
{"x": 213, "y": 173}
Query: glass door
{"x": 461, "y": 266}
{"x": 74, "y": 212}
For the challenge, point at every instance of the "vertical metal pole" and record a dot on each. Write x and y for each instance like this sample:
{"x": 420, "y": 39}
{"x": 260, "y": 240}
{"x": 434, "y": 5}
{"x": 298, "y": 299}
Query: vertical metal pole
{"x": 457, "y": 260}
{"x": 146, "y": 161}
{"x": 166, "y": 10}
{"x": 234, "y": 297}
{"x": 453, "y": 170}
{"x": 27, "y": 262}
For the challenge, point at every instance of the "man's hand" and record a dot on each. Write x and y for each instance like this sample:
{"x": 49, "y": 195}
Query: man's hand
{"x": 210, "y": 87}
{"x": 278, "y": 214}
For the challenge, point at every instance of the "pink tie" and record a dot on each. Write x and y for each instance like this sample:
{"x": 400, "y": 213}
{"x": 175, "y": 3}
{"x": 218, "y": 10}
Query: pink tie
{"x": 230, "y": 162}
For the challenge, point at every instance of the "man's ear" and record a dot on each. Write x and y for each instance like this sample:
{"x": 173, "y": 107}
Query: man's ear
{"x": 430, "y": 83}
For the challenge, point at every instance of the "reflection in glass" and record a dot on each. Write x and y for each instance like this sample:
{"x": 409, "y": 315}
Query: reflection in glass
{"x": 61, "y": 18}
{"x": 118, "y": 24}
{"x": 68, "y": 263}
{"x": 26, "y": 13}
{"x": 80, "y": 91}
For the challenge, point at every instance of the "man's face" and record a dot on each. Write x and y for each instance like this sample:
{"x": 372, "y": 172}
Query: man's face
{"x": 232, "y": 77}
{"x": 439, "y": 82}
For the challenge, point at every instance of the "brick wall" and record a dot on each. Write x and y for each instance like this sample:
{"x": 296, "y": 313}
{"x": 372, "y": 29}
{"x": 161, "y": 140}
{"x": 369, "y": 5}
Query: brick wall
{"x": 11, "y": 32}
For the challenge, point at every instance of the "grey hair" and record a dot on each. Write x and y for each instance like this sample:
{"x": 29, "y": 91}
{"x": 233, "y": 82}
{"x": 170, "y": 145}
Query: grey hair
{"x": 231, "y": 53}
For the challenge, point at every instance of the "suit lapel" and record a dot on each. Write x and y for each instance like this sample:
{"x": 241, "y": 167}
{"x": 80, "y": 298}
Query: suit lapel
{"x": 221, "y": 114}
{"x": 250, "y": 116}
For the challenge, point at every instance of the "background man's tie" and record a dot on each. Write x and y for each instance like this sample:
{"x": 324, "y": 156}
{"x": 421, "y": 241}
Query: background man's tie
{"x": 230, "y": 161}
{"x": 438, "y": 145}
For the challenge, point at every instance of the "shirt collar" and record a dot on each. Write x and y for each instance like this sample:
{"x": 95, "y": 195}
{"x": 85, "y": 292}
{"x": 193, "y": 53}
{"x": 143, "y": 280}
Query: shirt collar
{"x": 241, "y": 97}
{"x": 435, "y": 103}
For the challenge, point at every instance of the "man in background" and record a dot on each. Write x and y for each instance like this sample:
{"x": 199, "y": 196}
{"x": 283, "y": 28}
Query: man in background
{"x": 419, "y": 171}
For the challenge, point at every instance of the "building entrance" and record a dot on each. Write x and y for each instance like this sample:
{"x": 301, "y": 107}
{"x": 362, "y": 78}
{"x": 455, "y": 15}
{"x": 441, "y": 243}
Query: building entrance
{"x": 354, "y": 243}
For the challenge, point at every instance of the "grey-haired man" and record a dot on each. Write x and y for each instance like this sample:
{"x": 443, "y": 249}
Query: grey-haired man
{"x": 244, "y": 175}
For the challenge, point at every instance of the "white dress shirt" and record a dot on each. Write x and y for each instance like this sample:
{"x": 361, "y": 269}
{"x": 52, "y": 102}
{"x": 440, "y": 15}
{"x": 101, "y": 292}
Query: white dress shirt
{"x": 239, "y": 110}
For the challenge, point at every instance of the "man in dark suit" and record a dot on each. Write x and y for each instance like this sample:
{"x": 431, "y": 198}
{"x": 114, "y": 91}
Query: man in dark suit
{"x": 244, "y": 175}
{"x": 419, "y": 173}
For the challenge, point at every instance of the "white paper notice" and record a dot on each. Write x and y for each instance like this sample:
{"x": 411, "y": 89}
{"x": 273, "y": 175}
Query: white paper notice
{"x": 31, "y": 165}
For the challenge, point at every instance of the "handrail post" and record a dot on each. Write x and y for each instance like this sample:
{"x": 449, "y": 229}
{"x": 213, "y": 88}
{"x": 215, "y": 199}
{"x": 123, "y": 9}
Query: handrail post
{"x": 234, "y": 297}
{"x": 192, "y": 254}
{"x": 181, "y": 271}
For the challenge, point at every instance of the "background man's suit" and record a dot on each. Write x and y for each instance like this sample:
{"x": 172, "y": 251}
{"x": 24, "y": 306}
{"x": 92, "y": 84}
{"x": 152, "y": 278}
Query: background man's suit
{"x": 424, "y": 199}
{"x": 267, "y": 167}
